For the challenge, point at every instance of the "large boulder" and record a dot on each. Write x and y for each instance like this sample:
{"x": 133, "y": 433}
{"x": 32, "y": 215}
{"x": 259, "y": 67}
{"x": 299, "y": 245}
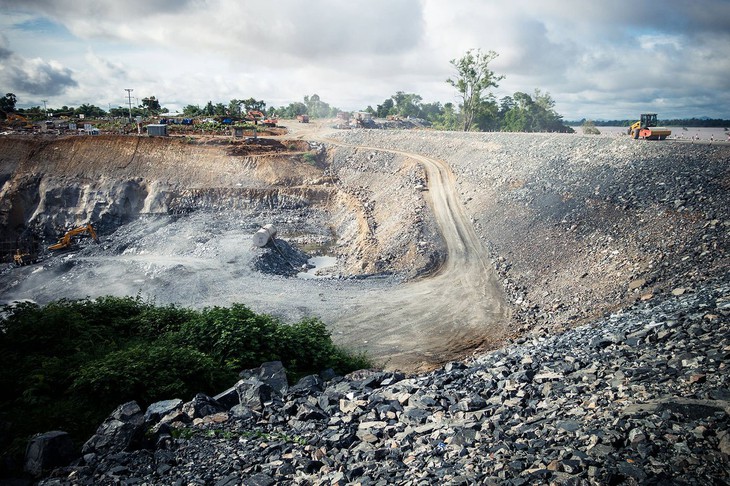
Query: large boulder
{"x": 48, "y": 451}
{"x": 159, "y": 409}
{"x": 249, "y": 393}
{"x": 272, "y": 373}
{"x": 119, "y": 432}
{"x": 255, "y": 394}
{"x": 201, "y": 406}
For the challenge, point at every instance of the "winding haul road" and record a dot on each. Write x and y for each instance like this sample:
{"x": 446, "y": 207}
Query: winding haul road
{"x": 456, "y": 309}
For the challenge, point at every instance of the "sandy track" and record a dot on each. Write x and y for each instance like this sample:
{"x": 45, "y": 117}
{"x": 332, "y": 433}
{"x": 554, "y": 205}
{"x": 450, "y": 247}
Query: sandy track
{"x": 458, "y": 308}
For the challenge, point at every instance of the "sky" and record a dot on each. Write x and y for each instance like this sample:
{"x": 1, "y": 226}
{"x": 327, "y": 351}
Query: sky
{"x": 597, "y": 60}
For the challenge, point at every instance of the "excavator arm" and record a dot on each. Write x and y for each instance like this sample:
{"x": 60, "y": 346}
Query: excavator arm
{"x": 67, "y": 239}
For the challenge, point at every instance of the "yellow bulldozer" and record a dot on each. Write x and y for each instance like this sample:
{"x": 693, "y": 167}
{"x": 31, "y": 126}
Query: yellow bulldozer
{"x": 67, "y": 241}
{"x": 647, "y": 128}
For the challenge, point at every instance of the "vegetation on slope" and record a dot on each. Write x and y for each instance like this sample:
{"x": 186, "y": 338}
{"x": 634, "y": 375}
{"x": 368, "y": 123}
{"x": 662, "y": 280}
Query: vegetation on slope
{"x": 65, "y": 366}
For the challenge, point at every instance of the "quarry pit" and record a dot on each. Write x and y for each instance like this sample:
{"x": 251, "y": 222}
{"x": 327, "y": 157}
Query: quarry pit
{"x": 440, "y": 244}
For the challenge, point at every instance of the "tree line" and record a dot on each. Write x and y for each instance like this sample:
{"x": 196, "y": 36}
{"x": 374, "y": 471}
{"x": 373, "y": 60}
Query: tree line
{"x": 473, "y": 80}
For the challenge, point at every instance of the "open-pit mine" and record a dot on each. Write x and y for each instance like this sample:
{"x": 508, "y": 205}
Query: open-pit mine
{"x": 426, "y": 246}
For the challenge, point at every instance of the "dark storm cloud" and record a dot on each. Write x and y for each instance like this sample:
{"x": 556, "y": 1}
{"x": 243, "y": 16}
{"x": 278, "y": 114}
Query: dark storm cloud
{"x": 32, "y": 76}
{"x": 72, "y": 8}
{"x": 618, "y": 56}
{"x": 37, "y": 77}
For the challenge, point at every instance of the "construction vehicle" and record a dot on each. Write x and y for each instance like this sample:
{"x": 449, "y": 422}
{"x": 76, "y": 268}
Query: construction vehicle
{"x": 17, "y": 122}
{"x": 256, "y": 116}
{"x": 67, "y": 240}
{"x": 270, "y": 122}
{"x": 303, "y": 118}
{"x": 647, "y": 128}
{"x": 21, "y": 258}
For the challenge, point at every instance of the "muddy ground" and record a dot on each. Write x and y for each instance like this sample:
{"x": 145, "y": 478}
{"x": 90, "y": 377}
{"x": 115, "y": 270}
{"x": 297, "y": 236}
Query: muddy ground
{"x": 445, "y": 243}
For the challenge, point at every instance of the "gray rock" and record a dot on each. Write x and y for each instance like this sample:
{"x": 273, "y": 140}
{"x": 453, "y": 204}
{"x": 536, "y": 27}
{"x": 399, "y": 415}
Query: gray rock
{"x": 254, "y": 394}
{"x": 272, "y": 373}
{"x": 159, "y": 409}
{"x": 308, "y": 385}
{"x": 120, "y": 431}
{"x": 48, "y": 451}
{"x": 201, "y": 406}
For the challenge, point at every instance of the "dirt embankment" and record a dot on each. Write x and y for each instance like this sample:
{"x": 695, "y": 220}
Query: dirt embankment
{"x": 106, "y": 180}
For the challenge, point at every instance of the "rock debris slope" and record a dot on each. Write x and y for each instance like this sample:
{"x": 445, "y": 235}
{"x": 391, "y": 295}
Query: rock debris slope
{"x": 639, "y": 397}
{"x": 578, "y": 226}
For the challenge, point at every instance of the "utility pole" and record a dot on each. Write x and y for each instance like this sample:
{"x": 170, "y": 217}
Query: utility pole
{"x": 44, "y": 108}
{"x": 129, "y": 97}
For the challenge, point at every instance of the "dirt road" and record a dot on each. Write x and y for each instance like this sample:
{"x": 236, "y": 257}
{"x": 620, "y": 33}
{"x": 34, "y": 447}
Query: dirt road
{"x": 458, "y": 308}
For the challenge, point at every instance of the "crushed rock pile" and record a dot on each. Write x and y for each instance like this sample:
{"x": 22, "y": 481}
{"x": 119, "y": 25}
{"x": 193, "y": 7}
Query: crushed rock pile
{"x": 279, "y": 257}
{"x": 639, "y": 397}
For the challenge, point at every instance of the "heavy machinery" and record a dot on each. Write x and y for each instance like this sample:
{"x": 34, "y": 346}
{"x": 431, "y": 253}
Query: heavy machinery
{"x": 17, "y": 122}
{"x": 67, "y": 240}
{"x": 647, "y": 128}
{"x": 21, "y": 258}
{"x": 270, "y": 122}
{"x": 256, "y": 116}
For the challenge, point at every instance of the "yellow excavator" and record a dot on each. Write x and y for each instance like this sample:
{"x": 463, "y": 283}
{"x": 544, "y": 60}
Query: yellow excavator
{"x": 67, "y": 240}
{"x": 647, "y": 128}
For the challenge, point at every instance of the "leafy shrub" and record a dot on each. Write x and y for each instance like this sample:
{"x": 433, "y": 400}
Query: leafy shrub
{"x": 235, "y": 337}
{"x": 147, "y": 372}
{"x": 68, "y": 364}
{"x": 309, "y": 158}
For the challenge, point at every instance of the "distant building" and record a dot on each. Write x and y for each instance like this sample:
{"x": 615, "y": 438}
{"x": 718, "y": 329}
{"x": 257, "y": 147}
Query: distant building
{"x": 158, "y": 130}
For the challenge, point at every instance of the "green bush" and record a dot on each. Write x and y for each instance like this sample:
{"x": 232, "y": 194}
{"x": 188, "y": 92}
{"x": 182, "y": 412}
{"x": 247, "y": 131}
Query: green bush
{"x": 68, "y": 364}
{"x": 147, "y": 372}
{"x": 310, "y": 158}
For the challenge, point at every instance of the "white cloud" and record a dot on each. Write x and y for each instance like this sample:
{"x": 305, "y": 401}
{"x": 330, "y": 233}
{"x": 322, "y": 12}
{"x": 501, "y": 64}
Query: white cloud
{"x": 597, "y": 59}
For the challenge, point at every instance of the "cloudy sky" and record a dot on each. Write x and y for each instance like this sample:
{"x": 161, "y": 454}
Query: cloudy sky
{"x": 600, "y": 60}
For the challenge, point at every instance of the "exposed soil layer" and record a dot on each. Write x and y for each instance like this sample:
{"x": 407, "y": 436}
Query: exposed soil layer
{"x": 175, "y": 218}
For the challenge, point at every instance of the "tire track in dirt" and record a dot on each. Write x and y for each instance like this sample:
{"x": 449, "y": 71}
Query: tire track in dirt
{"x": 436, "y": 318}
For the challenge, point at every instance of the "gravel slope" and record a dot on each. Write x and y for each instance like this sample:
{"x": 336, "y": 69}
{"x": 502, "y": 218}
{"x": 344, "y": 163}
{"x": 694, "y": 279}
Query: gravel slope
{"x": 577, "y": 225}
{"x": 631, "y": 238}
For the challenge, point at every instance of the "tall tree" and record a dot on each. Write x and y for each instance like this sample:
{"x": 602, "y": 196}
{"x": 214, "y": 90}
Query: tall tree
{"x": 192, "y": 110}
{"x": 89, "y": 111}
{"x": 473, "y": 80}
{"x": 253, "y": 104}
{"x": 7, "y": 104}
{"x": 385, "y": 109}
{"x": 234, "y": 107}
{"x": 151, "y": 104}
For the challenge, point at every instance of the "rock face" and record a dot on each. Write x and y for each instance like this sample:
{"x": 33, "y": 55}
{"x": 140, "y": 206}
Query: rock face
{"x": 48, "y": 451}
{"x": 639, "y": 397}
{"x": 119, "y": 431}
